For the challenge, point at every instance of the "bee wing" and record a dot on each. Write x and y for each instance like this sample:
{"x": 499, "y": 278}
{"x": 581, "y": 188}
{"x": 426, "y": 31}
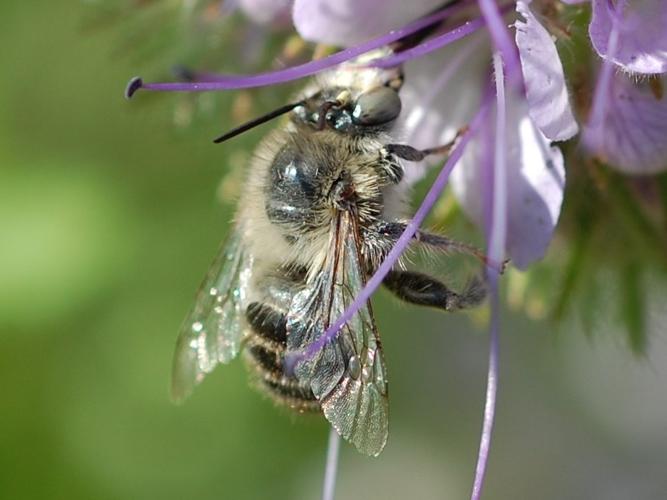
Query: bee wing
{"x": 213, "y": 329}
{"x": 348, "y": 375}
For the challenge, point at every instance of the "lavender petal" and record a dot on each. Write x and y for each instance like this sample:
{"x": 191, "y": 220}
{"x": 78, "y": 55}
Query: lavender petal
{"x": 349, "y": 22}
{"x": 441, "y": 95}
{"x": 544, "y": 79}
{"x": 535, "y": 184}
{"x": 642, "y": 45}
{"x": 632, "y": 133}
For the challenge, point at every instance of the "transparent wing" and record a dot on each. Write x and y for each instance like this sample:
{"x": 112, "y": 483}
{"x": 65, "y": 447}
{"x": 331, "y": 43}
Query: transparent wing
{"x": 348, "y": 375}
{"x": 212, "y": 331}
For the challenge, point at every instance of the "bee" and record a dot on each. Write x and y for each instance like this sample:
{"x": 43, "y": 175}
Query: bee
{"x": 322, "y": 206}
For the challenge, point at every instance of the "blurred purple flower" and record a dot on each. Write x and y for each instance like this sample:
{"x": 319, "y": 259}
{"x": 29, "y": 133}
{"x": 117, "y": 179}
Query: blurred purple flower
{"x": 350, "y": 22}
{"x": 630, "y": 132}
{"x": 641, "y": 30}
{"x": 627, "y": 125}
{"x": 266, "y": 11}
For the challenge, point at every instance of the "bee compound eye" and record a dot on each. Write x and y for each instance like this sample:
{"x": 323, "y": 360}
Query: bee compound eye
{"x": 376, "y": 107}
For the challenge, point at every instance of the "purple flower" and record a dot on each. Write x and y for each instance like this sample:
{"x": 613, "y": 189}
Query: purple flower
{"x": 628, "y": 129}
{"x": 546, "y": 92}
{"x": 627, "y": 125}
{"x": 506, "y": 172}
{"x": 350, "y": 22}
{"x": 641, "y": 27}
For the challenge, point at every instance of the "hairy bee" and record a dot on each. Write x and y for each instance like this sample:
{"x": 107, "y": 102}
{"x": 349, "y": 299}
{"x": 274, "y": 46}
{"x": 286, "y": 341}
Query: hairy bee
{"x": 322, "y": 207}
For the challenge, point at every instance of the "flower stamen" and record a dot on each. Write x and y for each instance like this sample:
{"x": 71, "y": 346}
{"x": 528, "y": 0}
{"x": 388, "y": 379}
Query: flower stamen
{"x": 496, "y": 236}
{"x": 227, "y": 82}
{"x": 501, "y": 39}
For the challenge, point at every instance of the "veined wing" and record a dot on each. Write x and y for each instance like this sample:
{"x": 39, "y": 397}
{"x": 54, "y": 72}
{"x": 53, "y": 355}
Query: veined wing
{"x": 212, "y": 331}
{"x": 348, "y": 375}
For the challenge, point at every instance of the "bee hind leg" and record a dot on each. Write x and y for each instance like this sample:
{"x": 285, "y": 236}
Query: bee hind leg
{"x": 440, "y": 243}
{"x": 421, "y": 289}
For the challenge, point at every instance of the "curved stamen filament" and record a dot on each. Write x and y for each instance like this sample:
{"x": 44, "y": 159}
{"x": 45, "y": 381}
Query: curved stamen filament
{"x": 430, "y": 45}
{"x": 496, "y": 220}
{"x": 226, "y": 82}
{"x": 501, "y": 38}
{"x": 435, "y": 43}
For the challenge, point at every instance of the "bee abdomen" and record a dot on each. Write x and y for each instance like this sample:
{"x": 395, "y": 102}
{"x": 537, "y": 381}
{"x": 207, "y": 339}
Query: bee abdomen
{"x": 267, "y": 322}
{"x": 265, "y": 354}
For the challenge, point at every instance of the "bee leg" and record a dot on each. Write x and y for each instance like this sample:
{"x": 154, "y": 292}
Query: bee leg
{"x": 409, "y": 153}
{"x": 267, "y": 321}
{"x": 391, "y": 168}
{"x": 423, "y": 290}
{"x": 440, "y": 242}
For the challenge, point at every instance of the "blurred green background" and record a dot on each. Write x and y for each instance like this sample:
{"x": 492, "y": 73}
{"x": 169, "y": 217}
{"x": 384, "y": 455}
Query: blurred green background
{"x": 109, "y": 216}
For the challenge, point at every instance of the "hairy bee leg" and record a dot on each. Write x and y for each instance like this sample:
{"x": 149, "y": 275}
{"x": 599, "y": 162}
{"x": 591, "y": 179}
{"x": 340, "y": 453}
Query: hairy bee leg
{"x": 423, "y": 290}
{"x": 408, "y": 153}
{"x": 440, "y": 242}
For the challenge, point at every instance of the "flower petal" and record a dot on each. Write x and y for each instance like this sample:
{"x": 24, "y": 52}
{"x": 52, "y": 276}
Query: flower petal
{"x": 348, "y": 22}
{"x": 535, "y": 184}
{"x": 632, "y": 134}
{"x": 441, "y": 95}
{"x": 265, "y": 11}
{"x": 544, "y": 79}
{"x": 642, "y": 43}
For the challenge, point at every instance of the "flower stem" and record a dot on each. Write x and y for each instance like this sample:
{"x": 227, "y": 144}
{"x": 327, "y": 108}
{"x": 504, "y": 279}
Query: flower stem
{"x": 329, "y": 488}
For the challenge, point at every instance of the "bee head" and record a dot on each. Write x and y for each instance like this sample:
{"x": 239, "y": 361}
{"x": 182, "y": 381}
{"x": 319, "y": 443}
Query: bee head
{"x": 357, "y": 113}
{"x": 350, "y": 111}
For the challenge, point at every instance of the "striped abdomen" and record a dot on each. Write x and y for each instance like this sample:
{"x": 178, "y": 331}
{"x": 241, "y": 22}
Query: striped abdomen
{"x": 264, "y": 354}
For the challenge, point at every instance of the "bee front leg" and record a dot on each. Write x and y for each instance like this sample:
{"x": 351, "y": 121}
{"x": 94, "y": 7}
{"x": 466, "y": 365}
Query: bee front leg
{"x": 423, "y": 290}
{"x": 408, "y": 153}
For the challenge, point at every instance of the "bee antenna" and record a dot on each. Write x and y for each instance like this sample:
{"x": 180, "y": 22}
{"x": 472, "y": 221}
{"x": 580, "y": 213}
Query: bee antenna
{"x": 257, "y": 121}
